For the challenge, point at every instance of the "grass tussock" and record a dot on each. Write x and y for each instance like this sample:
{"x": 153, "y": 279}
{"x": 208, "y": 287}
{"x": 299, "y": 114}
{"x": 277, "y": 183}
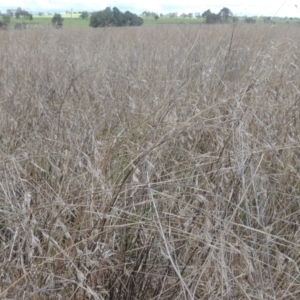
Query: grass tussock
{"x": 150, "y": 163}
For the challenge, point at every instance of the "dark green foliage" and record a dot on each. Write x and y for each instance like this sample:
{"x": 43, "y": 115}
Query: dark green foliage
{"x": 57, "y": 21}
{"x": 156, "y": 17}
{"x": 213, "y": 18}
{"x": 225, "y": 13}
{"x": 84, "y": 15}
{"x": 206, "y": 13}
{"x": 223, "y": 16}
{"x": 18, "y": 13}
{"x": 23, "y": 13}
{"x": 118, "y": 17}
{"x": 102, "y": 18}
{"x": 114, "y": 17}
{"x": 132, "y": 19}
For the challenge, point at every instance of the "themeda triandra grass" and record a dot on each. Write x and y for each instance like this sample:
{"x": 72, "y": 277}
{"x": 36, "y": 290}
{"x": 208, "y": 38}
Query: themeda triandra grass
{"x": 150, "y": 163}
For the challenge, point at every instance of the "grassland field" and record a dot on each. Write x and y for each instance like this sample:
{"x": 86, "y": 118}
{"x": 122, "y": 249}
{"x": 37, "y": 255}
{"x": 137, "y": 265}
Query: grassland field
{"x": 156, "y": 162}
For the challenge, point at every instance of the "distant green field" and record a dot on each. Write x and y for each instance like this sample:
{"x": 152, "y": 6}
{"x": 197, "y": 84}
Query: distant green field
{"x": 166, "y": 20}
{"x": 45, "y": 21}
{"x": 76, "y": 22}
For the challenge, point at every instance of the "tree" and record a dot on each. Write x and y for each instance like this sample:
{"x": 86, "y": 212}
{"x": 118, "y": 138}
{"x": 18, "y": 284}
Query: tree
{"x": 84, "y": 15}
{"x": 132, "y": 19}
{"x": 17, "y": 14}
{"x": 19, "y": 10}
{"x": 23, "y": 13}
{"x": 213, "y": 18}
{"x": 118, "y": 16}
{"x": 102, "y": 18}
{"x": 145, "y": 13}
{"x": 57, "y": 21}
{"x": 156, "y": 17}
{"x": 249, "y": 20}
{"x": 115, "y": 17}
{"x": 225, "y": 13}
{"x": 9, "y": 12}
{"x": 206, "y": 13}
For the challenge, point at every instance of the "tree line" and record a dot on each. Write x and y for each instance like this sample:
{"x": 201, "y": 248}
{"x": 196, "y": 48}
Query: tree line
{"x": 114, "y": 17}
{"x": 224, "y": 14}
{"x": 103, "y": 18}
{"x": 19, "y": 14}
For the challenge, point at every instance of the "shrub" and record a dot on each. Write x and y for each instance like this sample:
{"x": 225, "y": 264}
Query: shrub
{"x": 57, "y": 21}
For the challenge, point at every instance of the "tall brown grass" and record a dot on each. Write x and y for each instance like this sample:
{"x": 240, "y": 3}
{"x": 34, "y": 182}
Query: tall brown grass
{"x": 150, "y": 163}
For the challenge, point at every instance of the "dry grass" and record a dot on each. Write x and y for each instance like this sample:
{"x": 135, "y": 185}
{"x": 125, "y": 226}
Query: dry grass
{"x": 150, "y": 163}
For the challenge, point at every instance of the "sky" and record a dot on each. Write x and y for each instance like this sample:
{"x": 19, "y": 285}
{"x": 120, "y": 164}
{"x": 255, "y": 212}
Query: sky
{"x": 280, "y": 8}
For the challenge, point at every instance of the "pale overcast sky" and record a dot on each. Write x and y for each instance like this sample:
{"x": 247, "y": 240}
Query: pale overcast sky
{"x": 290, "y": 8}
